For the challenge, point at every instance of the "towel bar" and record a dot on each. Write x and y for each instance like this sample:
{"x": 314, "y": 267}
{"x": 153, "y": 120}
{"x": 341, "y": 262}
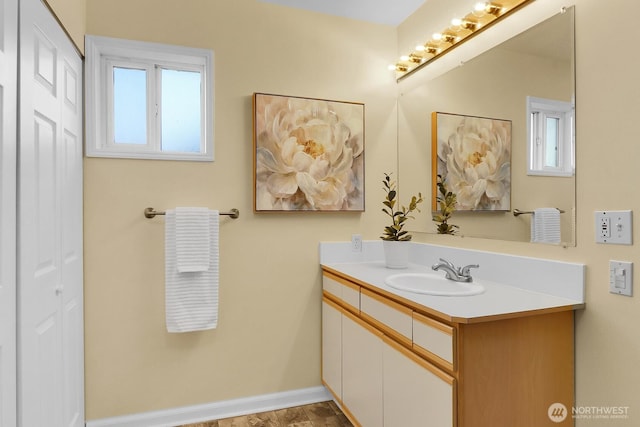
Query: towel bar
{"x": 517, "y": 212}
{"x": 150, "y": 213}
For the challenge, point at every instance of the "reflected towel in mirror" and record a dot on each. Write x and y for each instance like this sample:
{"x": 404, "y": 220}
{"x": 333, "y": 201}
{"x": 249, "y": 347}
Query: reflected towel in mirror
{"x": 545, "y": 225}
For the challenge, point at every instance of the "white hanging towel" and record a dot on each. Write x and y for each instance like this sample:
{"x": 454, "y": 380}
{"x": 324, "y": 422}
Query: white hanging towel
{"x": 545, "y": 225}
{"x": 193, "y": 239}
{"x": 191, "y": 269}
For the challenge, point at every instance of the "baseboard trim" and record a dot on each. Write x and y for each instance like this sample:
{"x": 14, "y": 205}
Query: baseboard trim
{"x": 217, "y": 410}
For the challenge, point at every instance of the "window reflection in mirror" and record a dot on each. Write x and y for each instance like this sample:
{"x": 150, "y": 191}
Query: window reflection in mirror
{"x": 551, "y": 137}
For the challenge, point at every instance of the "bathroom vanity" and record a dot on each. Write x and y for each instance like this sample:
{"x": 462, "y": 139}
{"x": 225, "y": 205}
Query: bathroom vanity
{"x": 397, "y": 358}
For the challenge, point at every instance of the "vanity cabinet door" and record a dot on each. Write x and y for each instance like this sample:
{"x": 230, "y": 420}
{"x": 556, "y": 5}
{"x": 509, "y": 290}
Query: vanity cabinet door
{"x": 362, "y": 371}
{"x": 416, "y": 393}
{"x": 332, "y": 347}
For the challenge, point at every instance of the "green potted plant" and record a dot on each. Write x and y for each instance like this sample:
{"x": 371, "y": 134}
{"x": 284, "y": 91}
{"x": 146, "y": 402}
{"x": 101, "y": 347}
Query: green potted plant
{"x": 447, "y": 205}
{"x": 394, "y": 237}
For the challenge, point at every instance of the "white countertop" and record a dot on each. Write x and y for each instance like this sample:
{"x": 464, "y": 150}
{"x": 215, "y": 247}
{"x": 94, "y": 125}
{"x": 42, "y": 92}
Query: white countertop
{"x": 500, "y": 299}
{"x": 497, "y": 300}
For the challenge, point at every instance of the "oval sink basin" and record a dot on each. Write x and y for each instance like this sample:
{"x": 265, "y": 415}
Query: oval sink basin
{"x": 430, "y": 284}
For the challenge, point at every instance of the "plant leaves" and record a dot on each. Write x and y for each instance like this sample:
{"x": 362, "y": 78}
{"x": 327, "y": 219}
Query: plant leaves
{"x": 398, "y": 217}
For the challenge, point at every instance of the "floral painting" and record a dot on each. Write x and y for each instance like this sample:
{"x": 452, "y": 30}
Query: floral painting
{"x": 473, "y": 157}
{"x": 309, "y": 154}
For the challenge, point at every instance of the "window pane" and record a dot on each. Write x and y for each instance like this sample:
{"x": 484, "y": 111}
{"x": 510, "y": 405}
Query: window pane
{"x": 551, "y": 142}
{"x": 181, "y": 116}
{"x": 129, "y": 106}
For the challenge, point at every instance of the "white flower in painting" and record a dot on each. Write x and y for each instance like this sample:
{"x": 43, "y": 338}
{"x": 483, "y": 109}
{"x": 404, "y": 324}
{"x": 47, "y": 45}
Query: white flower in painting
{"x": 475, "y": 155}
{"x": 308, "y": 155}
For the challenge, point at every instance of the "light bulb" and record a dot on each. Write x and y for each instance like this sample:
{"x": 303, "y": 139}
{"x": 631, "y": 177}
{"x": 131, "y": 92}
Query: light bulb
{"x": 480, "y": 9}
{"x": 456, "y": 22}
{"x": 436, "y": 36}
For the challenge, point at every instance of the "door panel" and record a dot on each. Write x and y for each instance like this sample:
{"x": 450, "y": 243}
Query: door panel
{"x": 8, "y": 147}
{"x": 50, "y": 371}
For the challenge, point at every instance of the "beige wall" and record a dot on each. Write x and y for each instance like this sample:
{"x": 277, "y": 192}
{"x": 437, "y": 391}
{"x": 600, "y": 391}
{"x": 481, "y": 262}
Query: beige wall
{"x": 268, "y": 337}
{"x": 72, "y": 15}
{"x": 269, "y": 334}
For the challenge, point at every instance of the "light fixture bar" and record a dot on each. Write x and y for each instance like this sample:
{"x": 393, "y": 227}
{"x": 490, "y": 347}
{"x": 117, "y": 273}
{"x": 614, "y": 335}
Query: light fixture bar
{"x": 484, "y": 15}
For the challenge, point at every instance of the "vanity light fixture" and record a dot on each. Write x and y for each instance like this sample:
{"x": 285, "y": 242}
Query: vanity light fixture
{"x": 428, "y": 49}
{"x": 399, "y": 68}
{"x": 483, "y": 15}
{"x": 416, "y": 58}
{"x": 468, "y": 24}
{"x": 449, "y": 38}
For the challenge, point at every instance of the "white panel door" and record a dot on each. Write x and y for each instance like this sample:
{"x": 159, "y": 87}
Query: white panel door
{"x": 8, "y": 85}
{"x": 50, "y": 316}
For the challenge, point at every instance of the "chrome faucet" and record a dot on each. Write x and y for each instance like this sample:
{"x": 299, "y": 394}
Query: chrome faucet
{"x": 453, "y": 273}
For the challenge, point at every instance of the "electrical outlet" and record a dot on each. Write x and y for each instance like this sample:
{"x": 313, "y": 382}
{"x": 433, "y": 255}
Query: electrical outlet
{"x": 356, "y": 243}
{"x": 605, "y": 227}
{"x": 614, "y": 227}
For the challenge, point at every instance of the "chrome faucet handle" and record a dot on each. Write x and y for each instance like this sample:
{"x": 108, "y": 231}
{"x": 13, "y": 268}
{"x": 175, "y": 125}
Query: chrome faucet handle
{"x": 448, "y": 263}
{"x": 464, "y": 271}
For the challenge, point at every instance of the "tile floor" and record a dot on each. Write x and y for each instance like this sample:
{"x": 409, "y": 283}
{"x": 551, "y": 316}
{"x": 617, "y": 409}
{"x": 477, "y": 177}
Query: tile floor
{"x": 323, "y": 414}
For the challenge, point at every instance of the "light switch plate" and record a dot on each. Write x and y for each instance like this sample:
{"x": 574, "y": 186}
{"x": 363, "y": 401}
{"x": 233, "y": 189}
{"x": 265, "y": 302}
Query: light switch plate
{"x": 621, "y": 277}
{"x": 614, "y": 227}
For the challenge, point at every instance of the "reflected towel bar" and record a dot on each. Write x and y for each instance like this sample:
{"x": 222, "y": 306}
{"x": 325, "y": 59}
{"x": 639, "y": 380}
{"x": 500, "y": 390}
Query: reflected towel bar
{"x": 150, "y": 213}
{"x": 517, "y": 212}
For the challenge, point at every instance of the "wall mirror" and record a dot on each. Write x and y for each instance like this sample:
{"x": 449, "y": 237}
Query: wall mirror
{"x": 538, "y": 62}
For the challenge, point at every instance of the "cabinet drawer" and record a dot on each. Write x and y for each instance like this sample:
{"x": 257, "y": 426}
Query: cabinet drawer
{"x": 392, "y": 318}
{"x": 346, "y": 292}
{"x": 433, "y": 338}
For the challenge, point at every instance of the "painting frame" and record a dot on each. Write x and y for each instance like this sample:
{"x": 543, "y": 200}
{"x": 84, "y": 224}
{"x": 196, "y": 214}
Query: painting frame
{"x": 473, "y": 156}
{"x": 308, "y": 154}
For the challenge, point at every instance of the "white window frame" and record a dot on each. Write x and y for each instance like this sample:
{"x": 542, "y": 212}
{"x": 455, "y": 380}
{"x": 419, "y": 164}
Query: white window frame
{"x": 538, "y": 110}
{"x": 102, "y": 55}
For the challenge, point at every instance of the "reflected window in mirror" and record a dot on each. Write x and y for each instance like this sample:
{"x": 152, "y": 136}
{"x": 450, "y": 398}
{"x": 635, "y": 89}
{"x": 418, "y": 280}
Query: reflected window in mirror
{"x": 551, "y": 137}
